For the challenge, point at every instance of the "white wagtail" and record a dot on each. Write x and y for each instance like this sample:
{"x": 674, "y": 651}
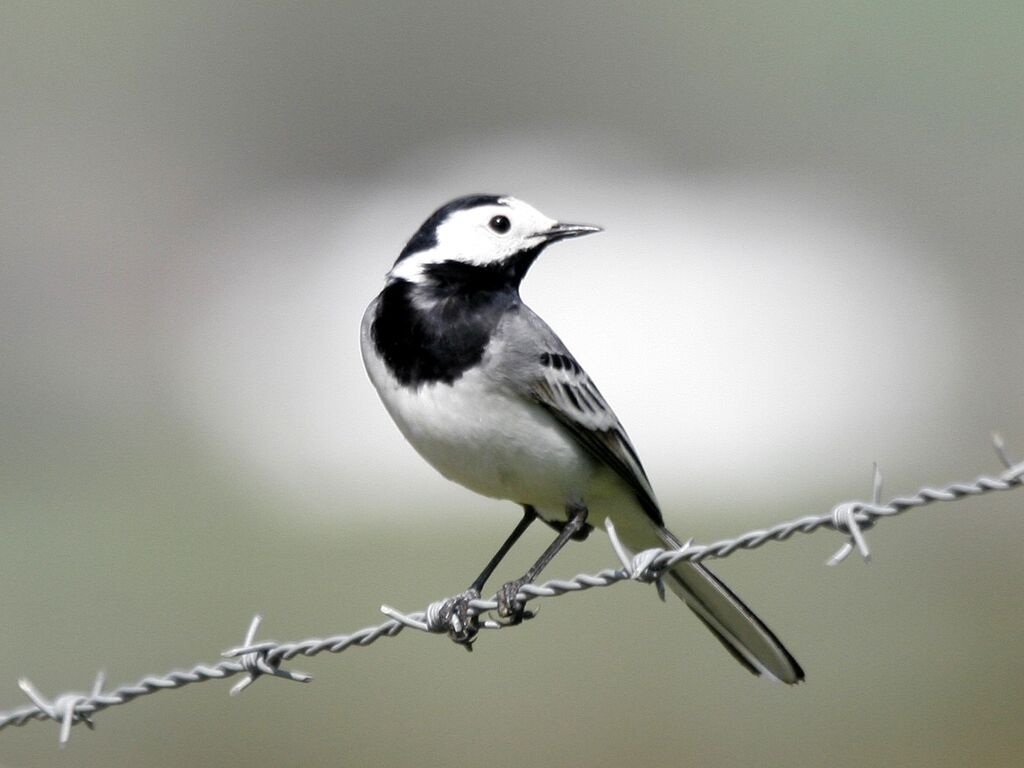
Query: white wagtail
{"x": 491, "y": 398}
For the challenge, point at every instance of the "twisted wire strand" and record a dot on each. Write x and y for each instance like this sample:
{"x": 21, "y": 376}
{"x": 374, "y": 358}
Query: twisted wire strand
{"x": 254, "y": 659}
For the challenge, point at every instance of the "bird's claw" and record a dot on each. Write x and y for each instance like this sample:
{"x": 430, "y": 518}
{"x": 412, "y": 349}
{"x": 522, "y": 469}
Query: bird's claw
{"x": 462, "y": 626}
{"x": 510, "y": 607}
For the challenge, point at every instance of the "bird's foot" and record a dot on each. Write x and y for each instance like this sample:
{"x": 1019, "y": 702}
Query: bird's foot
{"x": 462, "y": 626}
{"x": 510, "y": 607}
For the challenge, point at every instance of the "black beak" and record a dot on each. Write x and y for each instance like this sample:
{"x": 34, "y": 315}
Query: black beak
{"x": 565, "y": 231}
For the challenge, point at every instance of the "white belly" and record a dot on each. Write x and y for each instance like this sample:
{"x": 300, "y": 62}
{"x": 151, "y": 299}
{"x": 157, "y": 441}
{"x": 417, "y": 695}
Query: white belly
{"x": 490, "y": 441}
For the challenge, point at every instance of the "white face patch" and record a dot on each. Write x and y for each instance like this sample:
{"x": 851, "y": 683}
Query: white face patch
{"x": 486, "y": 234}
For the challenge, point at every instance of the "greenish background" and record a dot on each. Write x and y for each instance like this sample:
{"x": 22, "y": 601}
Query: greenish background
{"x": 813, "y": 216}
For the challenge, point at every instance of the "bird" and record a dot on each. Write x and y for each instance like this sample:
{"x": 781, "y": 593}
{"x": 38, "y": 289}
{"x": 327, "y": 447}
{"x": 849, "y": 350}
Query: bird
{"x": 488, "y": 395}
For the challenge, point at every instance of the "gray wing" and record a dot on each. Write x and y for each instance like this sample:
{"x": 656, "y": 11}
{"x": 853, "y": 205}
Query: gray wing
{"x": 561, "y": 386}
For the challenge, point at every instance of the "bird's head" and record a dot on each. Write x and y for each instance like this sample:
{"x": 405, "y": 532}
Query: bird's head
{"x": 482, "y": 235}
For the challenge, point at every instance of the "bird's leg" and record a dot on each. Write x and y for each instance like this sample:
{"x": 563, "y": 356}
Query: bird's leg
{"x": 462, "y": 628}
{"x": 509, "y": 606}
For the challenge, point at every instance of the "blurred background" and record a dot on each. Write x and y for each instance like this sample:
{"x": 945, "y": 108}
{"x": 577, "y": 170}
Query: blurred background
{"x": 811, "y": 263}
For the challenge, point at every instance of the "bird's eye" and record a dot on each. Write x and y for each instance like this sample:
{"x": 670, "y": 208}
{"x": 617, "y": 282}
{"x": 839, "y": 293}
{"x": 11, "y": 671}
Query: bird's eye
{"x": 500, "y": 224}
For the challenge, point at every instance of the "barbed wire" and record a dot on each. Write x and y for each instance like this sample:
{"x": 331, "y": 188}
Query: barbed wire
{"x": 255, "y": 659}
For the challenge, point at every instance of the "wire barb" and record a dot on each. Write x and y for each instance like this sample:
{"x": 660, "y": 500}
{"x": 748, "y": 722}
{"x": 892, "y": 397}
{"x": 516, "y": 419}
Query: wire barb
{"x": 254, "y": 659}
{"x": 432, "y": 624}
{"x": 431, "y": 620}
{"x": 1014, "y": 471}
{"x": 845, "y": 519}
{"x": 641, "y": 566}
{"x": 67, "y": 708}
{"x": 1000, "y": 445}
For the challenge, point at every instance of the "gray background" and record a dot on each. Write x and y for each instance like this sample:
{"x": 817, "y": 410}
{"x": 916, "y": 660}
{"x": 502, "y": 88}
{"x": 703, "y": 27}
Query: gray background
{"x": 812, "y": 216}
